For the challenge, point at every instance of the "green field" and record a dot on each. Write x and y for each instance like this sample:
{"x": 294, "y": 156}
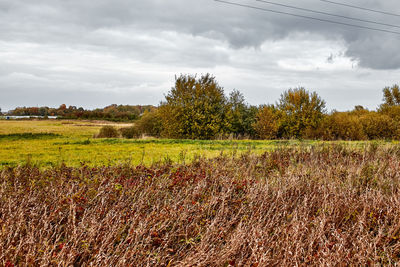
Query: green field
{"x": 50, "y": 142}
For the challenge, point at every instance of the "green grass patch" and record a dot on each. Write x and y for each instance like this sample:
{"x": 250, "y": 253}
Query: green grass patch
{"x": 50, "y": 143}
{"x": 28, "y": 136}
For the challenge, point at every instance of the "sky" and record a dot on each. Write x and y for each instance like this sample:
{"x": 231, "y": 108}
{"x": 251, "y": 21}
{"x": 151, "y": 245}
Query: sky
{"x": 96, "y": 53}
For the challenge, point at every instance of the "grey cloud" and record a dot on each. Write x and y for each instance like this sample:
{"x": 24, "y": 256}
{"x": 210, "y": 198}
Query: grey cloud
{"x": 376, "y": 52}
{"x": 73, "y": 22}
{"x": 130, "y": 49}
{"x": 330, "y": 58}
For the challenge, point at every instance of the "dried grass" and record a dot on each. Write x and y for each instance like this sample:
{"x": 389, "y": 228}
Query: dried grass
{"x": 322, "y": 206}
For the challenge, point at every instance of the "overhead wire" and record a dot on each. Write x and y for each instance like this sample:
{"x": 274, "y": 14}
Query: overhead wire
{"x": 307, "y": 17}
{"x": 328, "y": 14}
{"x": 361, "y": 8}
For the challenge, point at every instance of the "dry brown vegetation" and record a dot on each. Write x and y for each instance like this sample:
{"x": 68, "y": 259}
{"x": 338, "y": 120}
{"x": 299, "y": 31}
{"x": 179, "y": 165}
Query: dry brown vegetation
{"x": 325, "y": 206}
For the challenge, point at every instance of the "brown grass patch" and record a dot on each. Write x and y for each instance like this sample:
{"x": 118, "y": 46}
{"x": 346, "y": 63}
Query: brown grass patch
{"x": 323, "y": 206}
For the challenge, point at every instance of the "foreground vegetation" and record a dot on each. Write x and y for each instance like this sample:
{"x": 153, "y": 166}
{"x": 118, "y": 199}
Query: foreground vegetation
{"x": 325, "y": 205}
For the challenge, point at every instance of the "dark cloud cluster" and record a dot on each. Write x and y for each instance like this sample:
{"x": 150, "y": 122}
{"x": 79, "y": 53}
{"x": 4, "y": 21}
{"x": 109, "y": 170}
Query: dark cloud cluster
{"x": 84, "y": 22}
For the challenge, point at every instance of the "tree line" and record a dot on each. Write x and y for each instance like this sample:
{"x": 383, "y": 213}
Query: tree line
{"x": 111, "y": 113}
{"x": 197, "y": 108}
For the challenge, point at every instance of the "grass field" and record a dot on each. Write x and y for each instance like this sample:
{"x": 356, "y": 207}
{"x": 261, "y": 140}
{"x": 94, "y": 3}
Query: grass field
{"x": 50, "y": 143}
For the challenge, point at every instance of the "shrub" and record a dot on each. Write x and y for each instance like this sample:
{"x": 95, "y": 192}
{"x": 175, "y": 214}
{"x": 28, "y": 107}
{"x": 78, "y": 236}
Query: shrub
{"x": 108, "y": 132}
{"x": 378, "y": 126}
{"x": 150, "y": 124}
{"x": 391, "y": 111}
{"x": 130, "y": 132}
{"x": 341, "y": 126}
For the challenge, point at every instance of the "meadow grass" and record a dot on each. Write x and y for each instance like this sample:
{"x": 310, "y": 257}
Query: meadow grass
{"x": 47, "y": 143}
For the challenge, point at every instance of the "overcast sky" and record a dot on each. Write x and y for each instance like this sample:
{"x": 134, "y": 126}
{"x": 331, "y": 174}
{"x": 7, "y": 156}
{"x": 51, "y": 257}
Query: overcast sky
{"x": 95, "y": 53}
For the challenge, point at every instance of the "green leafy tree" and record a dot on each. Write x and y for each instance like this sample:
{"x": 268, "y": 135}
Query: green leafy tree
{"x": 196, "y": 108}
{"x": 249, "y": 120}
{"x": 242, "y": 116}
{"x": 302, "y": 112}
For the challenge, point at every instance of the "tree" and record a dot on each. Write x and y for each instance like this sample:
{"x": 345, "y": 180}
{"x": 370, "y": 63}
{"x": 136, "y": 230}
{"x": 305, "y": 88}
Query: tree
{"x": 43, "y": 111}
{"x": 267, "y": 122}
{"x": 302, "y": 111}
{"x": 242, "y": 116}
{"x": 238, "y": 107}
{"x": 391, "y": 104}
{"x": 391, "y": 95}
{"x": 196, "y": 108}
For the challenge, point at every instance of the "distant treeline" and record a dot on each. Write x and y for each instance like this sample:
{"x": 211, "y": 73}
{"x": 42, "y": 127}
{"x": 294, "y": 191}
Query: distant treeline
{"x": 197, "y": 108}
{"x": 111, "y": 113}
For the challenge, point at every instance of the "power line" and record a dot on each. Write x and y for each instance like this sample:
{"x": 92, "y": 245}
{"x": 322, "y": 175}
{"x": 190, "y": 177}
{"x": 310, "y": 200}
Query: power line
{"x": 328, "y": 14}
{"x": 307, "y": 17}
{"x": 362, "y": 8}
